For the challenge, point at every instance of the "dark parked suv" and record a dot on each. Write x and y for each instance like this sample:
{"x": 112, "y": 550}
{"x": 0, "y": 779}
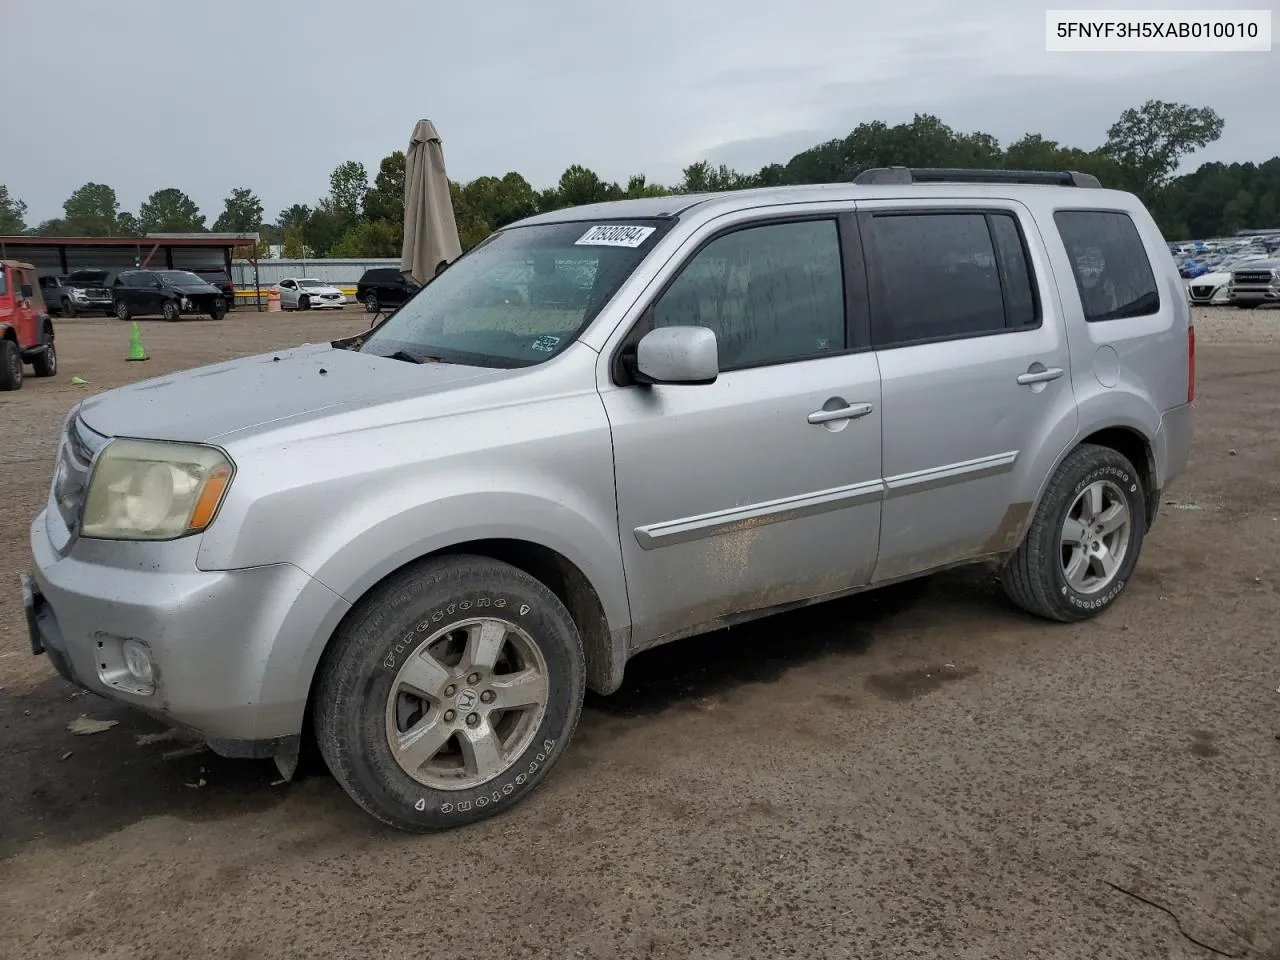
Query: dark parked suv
{"x": 168, "y": 293}
{"x": 219, "y": 277}
{"x": 384, "y": 287}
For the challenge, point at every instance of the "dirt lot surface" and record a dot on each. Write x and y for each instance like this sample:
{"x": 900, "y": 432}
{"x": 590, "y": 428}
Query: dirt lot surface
{"x": 922, "y": 772}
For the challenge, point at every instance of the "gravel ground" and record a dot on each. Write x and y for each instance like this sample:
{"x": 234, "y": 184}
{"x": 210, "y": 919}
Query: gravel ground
{"x": 919, "y": 772}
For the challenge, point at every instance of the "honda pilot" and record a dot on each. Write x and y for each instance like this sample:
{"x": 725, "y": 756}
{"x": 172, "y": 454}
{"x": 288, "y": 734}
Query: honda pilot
{"x": 605, "y": 428}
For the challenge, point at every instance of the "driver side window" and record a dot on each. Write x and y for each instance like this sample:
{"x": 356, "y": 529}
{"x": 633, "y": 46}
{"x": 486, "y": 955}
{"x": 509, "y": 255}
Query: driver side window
{"x": 771, "y": 294}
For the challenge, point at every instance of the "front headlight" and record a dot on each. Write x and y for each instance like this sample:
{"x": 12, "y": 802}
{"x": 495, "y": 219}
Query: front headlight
{"x": 154, "y": 490}
{"x": 78, "y": 294}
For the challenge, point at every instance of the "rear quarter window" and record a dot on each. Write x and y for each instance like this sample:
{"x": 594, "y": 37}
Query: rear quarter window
{"x": 1110, "y": 264}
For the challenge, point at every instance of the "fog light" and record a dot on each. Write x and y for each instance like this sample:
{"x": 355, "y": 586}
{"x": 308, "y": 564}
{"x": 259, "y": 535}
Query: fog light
{"x": 137, "y": 659}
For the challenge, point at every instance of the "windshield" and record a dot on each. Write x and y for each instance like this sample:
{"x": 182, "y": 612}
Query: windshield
{"x": 179, "y": 277}
{"x": 520, "y": 297}
{"x": 312, "y": 283}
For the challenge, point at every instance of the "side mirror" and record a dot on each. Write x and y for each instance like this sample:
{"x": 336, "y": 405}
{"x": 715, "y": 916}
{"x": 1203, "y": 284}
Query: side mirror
{"x": 678, "y": 355}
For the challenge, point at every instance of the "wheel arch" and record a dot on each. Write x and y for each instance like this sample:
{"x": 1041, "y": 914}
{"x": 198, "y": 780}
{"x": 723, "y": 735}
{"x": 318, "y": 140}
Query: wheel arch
{"x": 1126, "y": 438}
{"x": 604, "y": 650}
{"x": 8, "y": 333}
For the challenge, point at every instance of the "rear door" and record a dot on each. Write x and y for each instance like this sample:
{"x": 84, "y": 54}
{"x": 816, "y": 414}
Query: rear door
{"x": 973, "y": 362}
{"x": 762, "y": 488}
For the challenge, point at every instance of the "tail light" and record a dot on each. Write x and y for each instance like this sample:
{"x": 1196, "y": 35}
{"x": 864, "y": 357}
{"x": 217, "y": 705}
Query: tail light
{"x": 1191, "y": 363}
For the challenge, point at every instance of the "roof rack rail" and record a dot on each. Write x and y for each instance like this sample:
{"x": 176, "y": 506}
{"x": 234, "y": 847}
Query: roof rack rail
{"x": 897, "y": 176}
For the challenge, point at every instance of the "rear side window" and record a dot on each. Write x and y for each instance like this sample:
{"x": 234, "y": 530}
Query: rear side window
{"x": 4, "y": 280}
{"x": 1110, "y": 264}
{"x": 943, "y": 276}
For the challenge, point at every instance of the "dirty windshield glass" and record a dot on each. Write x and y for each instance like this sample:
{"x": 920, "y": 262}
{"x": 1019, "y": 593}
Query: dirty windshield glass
{"x": 519, "y": 298}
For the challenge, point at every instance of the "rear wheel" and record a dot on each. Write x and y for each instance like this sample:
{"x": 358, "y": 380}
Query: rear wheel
{"x": 45, "y": 364}
{"x": 1084, "y": 539}
{"x": 171, "y": 311}
{"x": 10, "y": 366}
{"x": 122, "y": 311}
{"x": 450, "y": 693}
{"x": 371, "y": 303}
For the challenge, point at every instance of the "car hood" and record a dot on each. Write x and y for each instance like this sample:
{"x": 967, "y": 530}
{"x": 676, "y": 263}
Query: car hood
{"x": 319, "y": 290}
{"x": 1263, "y": 265}
{"x": 1218, "y": 276}
{"x": 192, "y": 289}
{"x": 311, "y": 381}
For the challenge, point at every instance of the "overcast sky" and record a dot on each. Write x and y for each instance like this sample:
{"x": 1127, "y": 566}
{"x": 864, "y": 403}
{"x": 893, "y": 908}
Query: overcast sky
{"x": 272, "y": 94}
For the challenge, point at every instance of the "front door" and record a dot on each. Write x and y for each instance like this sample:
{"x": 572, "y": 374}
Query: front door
{"x": 762, "y": 488}
{"x": 974, "y": 368}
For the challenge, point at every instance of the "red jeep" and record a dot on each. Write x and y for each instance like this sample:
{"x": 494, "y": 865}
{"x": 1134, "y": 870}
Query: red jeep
{"x": 26, "y": 332}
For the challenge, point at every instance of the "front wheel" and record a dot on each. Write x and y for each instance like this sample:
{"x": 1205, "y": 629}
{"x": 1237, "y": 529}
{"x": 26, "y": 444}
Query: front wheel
{"x": 68, "y": 309}
{"x": 450, "y": 693}
{"x": 1084, "y": 539}
{"x": 171, "y": 311}
{"x": 10, "y": 366}
{"x": 122, "y": 311}
{"x": 218, "y": 311}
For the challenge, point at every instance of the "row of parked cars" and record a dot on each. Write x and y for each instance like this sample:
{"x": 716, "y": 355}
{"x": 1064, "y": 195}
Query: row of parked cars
{"x": 1241, "y": 273}
{"x": 139, "y": 292}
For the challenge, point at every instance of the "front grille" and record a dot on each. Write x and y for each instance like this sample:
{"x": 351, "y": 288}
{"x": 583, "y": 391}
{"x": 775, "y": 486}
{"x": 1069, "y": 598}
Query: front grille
{"x": 1253, "y": 276}
{"x": 1202, "y": 293}
{"x": 79, "y": 446}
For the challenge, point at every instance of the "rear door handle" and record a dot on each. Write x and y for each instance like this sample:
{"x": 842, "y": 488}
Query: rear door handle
{"x": 1038, "y": 373}
{"x": 851, "y": 412}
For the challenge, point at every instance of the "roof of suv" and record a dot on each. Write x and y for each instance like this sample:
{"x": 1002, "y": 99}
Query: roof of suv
{"x": 678, "y": 204}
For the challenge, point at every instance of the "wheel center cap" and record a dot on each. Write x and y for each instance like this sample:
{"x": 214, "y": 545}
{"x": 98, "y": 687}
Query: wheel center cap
{"x": 467, "y": 700}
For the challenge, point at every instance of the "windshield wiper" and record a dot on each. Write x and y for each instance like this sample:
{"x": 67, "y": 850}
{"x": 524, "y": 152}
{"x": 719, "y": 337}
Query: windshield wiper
{"x": 410, "y": 358}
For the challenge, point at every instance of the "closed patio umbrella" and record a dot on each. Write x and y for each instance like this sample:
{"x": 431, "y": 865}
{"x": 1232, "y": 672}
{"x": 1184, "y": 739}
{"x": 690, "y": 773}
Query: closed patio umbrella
{"x": 430, "y": 232}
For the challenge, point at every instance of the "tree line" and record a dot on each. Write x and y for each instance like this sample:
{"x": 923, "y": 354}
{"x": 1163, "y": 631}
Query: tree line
{"x": 1143, "y": 149}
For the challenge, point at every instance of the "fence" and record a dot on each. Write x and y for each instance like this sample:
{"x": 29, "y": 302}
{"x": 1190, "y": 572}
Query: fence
{"x": 343, "y": 274}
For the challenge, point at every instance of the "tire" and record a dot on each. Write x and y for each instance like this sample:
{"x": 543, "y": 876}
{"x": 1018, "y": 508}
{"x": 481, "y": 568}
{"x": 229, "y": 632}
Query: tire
{"x": 10, "y": 366}
{"x": 1036, "y": 576}
{"x": 219, "y": 310}
{"x": 171, "y": 311}
{"x": 304, "y": 302}
{"x": 382, "y": 641}
{"x": 370, "y": 302}
{"x": 46, "y": 364}
{"x": 122, "y": 312}
{"x": 67, "y": 308}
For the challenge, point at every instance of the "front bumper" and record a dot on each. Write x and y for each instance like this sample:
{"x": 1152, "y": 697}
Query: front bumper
{"x": 94, "y": 305}
{"x": 230, "y": 649}
{"x": 1269, "y": 294}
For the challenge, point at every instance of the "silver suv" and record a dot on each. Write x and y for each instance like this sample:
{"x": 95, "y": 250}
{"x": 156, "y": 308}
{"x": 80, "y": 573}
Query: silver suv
{"x": 603, "y": 429}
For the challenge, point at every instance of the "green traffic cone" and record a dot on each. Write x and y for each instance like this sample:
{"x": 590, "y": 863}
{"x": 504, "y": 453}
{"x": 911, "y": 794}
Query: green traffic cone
{"x": 136, "y": 351}
{"x": 79, "y": 381}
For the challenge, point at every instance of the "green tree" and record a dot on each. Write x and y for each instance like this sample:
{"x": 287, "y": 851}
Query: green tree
{"x": 293, "y": 216}
{"x": 13, "y": 214}
{"x": 325, "y": 227}
{"x": 1150, "y": 141}
{"x": 638, "y": 186}
{"x": 472, "y": 227}
{"x": 241, "y": 213}
{"x": 501, "y": 201}
{"x": 92, "y": 211}
{"x": 385, "y": 199}
{"x": 348, "y": 183}
{"x": 370, "y": 238}
{"x": 294, "y": 248}
{"x": 170, "y": 211}
{"x": 127, "y": 225}
{"x": 578, "y": 185}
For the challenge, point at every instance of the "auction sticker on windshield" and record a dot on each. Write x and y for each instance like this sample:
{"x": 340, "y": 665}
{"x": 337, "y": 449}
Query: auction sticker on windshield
{"x": 614, "y": 235}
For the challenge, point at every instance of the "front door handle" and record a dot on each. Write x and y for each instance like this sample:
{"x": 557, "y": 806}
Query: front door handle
{"x": 1039, "y": 373}
{"x": 851, "y": 412}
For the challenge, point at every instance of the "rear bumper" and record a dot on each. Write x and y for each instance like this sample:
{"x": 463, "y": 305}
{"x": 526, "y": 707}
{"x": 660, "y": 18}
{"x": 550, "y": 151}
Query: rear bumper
{"x": 1173, "y": 443}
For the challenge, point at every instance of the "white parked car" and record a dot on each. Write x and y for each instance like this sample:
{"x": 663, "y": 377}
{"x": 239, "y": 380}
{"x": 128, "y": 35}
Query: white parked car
{"x": 1211, "y": 288}
{"x": 305, "y": 293}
